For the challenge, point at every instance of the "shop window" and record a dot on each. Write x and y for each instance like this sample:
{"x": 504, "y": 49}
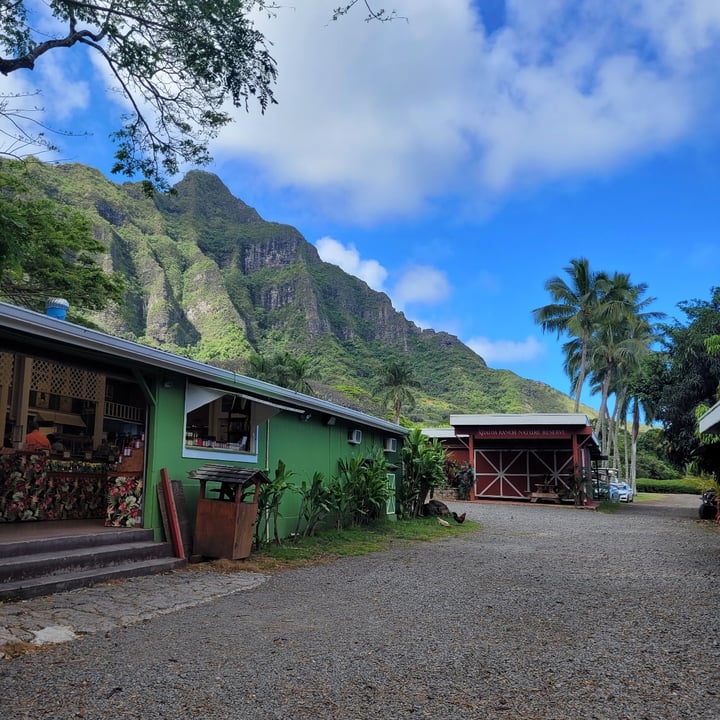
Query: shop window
{"x": 220, "y": 424}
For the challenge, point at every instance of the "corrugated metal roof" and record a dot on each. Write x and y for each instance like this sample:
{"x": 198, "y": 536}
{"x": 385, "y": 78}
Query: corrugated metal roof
{"x": 520, "y": 419}
{"x": 33, "y": 324}
{"x": 439, "y": 433}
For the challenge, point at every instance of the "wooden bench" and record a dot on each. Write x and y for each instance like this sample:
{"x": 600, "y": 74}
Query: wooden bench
{"x": 545, "y": 491}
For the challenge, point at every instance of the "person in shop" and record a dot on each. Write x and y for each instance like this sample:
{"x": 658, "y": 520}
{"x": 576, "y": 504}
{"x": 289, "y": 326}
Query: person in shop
{"x": 35, "y": 440}
{"x": 56, "y": 445}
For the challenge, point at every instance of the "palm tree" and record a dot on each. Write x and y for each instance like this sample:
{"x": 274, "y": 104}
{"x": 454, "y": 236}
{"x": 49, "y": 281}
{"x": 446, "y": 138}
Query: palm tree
{"x": 395, "y": 385}
{"x": 574, "y": 312}
{"x": 284, "y": 370}
{"x": 295, "y": 374}
{"x": 638, "y": 400}
{"x": 622, "y": 336}
{"x": 260, "y": 367}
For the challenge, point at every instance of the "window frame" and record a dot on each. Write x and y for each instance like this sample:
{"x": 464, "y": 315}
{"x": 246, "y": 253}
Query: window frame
{"x": 261, "y": 410}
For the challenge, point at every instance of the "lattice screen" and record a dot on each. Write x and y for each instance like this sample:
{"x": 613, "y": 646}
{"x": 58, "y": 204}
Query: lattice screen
{"x": 7, "y": 362}
{"x": 56, "y": 379}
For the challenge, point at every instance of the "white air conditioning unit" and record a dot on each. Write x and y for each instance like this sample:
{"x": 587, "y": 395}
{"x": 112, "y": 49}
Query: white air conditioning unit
{"x": 390, "y": 445}
{"x": 355, "y": 437}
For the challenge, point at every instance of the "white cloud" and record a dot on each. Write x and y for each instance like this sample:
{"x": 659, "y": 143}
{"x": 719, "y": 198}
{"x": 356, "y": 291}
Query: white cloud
{"x": 506, "y": 351}
{"x": 415, "y": 284}
{"x": 681, "y": 30}
{"x": 348, "y": 259}
{"x": 421, "y": 285}
{"x": 62, "y": 96}
{"x": 378, "y": 119}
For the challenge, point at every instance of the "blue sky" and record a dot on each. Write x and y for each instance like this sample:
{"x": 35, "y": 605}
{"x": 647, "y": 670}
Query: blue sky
{"x": 459, "y": 159}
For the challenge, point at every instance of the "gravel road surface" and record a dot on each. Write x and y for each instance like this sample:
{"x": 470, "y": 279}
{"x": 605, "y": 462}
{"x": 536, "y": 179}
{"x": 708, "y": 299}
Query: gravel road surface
{"x": 544, "y": 613}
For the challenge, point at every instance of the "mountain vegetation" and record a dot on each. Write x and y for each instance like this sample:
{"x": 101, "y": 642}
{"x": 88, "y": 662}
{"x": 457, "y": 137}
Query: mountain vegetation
{"x": 206, "y": 277}
{"x": 44, "y": 244}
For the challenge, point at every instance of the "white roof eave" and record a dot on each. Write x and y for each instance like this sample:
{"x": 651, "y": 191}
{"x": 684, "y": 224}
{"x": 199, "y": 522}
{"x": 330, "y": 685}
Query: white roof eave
{"x": 710, "y": 421}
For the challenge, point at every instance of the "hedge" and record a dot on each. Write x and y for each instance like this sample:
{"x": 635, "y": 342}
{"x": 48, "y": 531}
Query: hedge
{"x": 693, "y": 486}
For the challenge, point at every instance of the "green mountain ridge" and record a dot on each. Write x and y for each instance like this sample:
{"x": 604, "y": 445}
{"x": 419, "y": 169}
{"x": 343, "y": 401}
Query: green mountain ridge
{"x": 208, "y": 278}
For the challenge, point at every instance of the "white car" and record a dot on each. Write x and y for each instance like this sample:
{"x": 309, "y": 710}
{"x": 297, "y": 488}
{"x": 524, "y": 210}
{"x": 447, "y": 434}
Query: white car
{"x": 625, "y": 491}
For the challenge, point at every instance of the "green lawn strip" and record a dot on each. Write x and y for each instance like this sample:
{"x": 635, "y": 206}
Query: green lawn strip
{"x": 608, "y": 506}
{"x": 649, "y": 497}
{"x": 330, "y": 544}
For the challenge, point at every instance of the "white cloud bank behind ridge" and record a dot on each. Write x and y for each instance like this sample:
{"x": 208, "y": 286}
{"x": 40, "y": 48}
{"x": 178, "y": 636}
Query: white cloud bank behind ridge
{"x": 414, "y": 285}
{"x": 378, "y": 119}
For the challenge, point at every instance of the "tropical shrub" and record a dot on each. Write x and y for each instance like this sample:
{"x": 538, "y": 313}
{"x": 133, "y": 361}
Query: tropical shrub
{"x": 423, "y": 461}
{"x": 269, "y": 499}
{"x": 316, "y": 503}
{"x": 361, "y": 488}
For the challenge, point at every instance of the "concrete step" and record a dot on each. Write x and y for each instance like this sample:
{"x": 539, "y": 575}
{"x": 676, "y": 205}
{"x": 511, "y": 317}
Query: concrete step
{"x": 60, "y": 582}
{"x": 40, "y": 566}
{"x": 62, "y": 561}
{"x": 69, "y": 542}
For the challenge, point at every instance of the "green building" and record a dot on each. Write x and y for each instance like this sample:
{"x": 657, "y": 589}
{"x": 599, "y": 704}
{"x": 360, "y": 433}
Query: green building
{"x": 118, "y": 409}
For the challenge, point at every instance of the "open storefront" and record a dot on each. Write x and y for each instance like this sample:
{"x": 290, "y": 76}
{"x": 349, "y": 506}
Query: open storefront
{"x": 95, "y": 422}
{"x": 123, "y": 413}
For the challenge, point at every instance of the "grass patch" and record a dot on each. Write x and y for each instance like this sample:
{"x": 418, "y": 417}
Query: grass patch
{"x": 329, "y": 545}
{"x": 608, "y": 506}
{"x": 648, "y": 496}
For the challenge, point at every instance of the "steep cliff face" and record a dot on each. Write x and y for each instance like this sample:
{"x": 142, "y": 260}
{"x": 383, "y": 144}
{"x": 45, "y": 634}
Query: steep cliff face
{"x": 207, "y": 276}
{"x": 275, "y": 252}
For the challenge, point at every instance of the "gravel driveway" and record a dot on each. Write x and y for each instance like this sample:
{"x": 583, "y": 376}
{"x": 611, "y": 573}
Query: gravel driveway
{"x": 546, "y": 612}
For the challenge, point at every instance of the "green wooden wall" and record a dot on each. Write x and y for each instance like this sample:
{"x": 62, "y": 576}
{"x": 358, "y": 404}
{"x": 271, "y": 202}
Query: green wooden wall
{"x": 305, "y": 447}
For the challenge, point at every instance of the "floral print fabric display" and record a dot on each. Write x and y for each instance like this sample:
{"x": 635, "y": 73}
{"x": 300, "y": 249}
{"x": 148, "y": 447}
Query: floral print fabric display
{"x": 124, "y": 496}
{"x": 32, "y": 487}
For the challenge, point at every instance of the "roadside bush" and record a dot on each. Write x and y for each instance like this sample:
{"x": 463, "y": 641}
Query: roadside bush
{"x": 269, "y": 501}
{"x": 649, "y": 466}
{"x": 360, "y": 488}
{"x": 423, "y": 462}
{"x": 316, "y": 503}
{"x": 693, "y": 486}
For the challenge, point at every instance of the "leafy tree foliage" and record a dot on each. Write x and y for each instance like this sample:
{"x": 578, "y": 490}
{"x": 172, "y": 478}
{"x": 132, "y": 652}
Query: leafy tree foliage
{"x": 610, "y": 332}
{"x": 687, "y": 377}
{"x": 47, "y": 249}
{"x": 177, "y": 63}
{"x": 621, "y": 339}
{"x": 373, "y": 13}
{"x": 574, "y": 312}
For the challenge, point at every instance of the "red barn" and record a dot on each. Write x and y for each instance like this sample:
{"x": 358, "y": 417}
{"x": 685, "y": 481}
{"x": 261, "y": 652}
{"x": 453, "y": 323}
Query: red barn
{"x": 523, "y": 456}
